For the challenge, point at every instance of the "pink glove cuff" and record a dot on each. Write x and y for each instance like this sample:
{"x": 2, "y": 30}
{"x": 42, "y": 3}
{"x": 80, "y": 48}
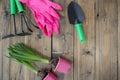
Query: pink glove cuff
{"x": 63, "y": 66}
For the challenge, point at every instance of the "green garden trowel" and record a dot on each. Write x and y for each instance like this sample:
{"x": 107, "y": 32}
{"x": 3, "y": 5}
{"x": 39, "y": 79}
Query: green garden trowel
{"x": 76, "y": 17}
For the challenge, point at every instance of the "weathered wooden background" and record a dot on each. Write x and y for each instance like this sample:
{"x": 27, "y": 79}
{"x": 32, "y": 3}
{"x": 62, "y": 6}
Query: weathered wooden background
{"x": 98, "y": 60}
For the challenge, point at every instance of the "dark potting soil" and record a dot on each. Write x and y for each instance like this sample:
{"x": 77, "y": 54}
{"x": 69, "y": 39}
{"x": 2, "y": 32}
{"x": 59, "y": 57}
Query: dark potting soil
{"x": 54, "y": 62}
{"x": 42, "y": 73}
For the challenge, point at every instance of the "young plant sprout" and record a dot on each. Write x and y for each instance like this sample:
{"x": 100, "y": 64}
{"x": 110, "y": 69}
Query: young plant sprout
{"x": 25, "y": 56}
{"x": 28, "y": 65}
{"x": 44, "y": 74}
{"x": 21, "y": 52}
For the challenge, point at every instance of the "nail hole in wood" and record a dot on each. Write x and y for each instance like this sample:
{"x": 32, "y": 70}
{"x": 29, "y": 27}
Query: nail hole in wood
{"x": 6, "y": 13}
{"x": 87, "y": 52}
{"x": 39, "y": 36}
{"x": 89, "y": 72}
{"x": 97, "y": 14}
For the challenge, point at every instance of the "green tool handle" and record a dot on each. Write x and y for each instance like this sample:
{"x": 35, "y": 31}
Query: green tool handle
{"x": 12, "y": 7}
{"x": 80, "y": 33}
{"x": 19, "y": 6}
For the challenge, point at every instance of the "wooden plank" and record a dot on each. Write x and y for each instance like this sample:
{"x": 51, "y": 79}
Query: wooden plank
{"x": 16, "y": 69}
{"x": 1, "y": 58}
{"x": 11, "y": 69}
{"x": 118, "y": 40}
{"x": 84, "y": 55}
{"x": 97, "y": 60}
{"x": 42, "y": 46}
{"x": 1, "y": 61}
{"x": 62, "y": 44}
{"x": 5, "y": 18}
{"x": 8, "y": 69}
{"x": 106, "y": 40}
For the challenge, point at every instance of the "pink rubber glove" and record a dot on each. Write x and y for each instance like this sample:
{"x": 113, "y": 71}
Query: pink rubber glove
{"x": 46, "y": 26}
{"x": 45, "y": 15}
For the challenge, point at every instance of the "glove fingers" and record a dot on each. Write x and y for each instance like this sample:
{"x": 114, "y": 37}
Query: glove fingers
{"x": 40, "y": 25}
{"x": 44, "y": 24}
{"x": 53, "y": 13}
{"x": 48, "y": 17}
{"x": 49, "y": 29}
{"x": 52, "y": 26}
{"x": 54, "y": 5}
{"x": 40, "y": 20}
{"x": 45, "y": 31}
{"x": 43, "y": 28}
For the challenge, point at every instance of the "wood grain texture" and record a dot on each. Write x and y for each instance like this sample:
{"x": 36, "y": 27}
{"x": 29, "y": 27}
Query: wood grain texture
{"x": 84, "y": 55}
{"x": 118, "y": 72}
{"x": 5, "y": 71}
{"x": 11, "y": 70}
{"x": 106, "y": 40}
{"x": 62, "y": 44}
{"x": 99, "y": 59}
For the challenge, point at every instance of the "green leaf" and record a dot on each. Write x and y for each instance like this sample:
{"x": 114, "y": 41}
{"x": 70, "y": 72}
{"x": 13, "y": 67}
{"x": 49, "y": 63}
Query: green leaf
{"x": 20, "y": 51}
{"x": 28, "y": 65}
